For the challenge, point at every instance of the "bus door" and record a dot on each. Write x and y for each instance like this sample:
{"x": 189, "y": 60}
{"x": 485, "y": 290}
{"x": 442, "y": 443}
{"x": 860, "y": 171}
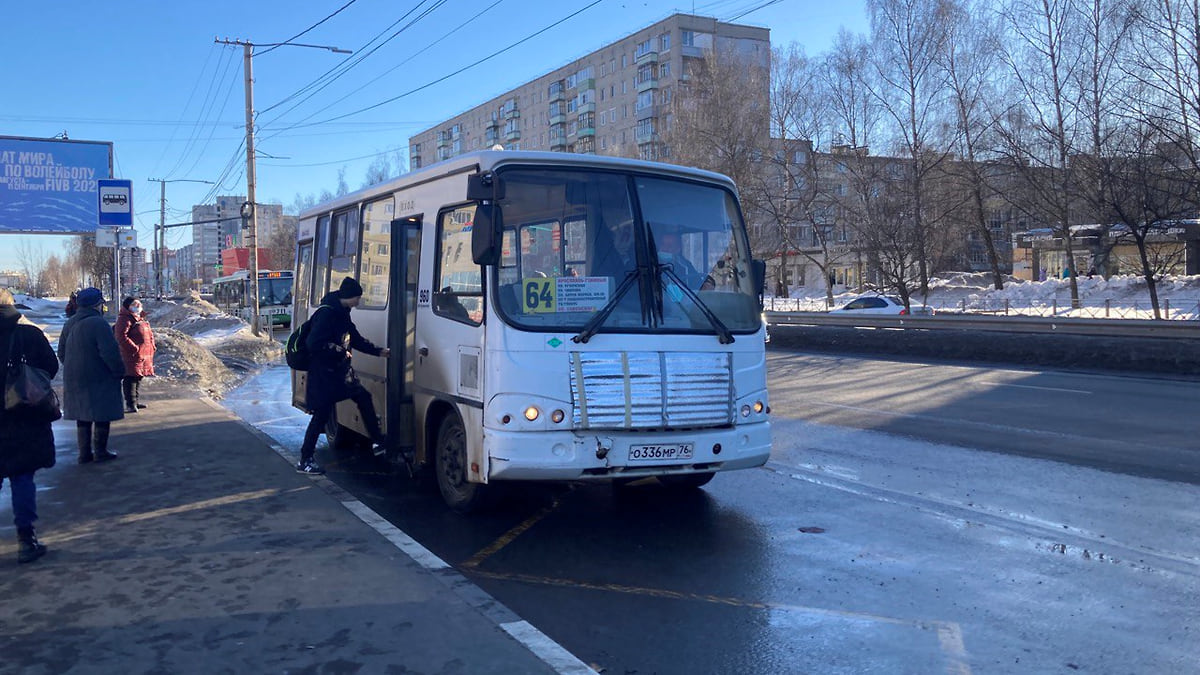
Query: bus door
{"x": 449, "y": 344}
{"x": 405, "y": 248}
{"x": 301, "y": 290}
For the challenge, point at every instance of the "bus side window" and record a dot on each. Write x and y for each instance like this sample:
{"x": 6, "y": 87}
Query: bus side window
{"x": 457, "y": 276}
{"x": 320, "y": 268}
{"x": 343, "y": 245}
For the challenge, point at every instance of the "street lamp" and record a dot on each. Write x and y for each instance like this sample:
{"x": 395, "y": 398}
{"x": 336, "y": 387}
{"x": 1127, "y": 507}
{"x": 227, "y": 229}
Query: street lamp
{"x": 160, "y": 231}
{"x": 250, "y": 219}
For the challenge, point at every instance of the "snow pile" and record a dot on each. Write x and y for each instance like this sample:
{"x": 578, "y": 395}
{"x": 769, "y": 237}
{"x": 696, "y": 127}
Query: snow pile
{"x": 1125, "y": 296}
{"x": 201, "y": 345}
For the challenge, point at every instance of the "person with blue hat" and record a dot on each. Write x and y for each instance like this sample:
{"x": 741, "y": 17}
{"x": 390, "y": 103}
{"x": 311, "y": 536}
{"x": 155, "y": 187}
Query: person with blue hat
{"x": 92, "y": 373}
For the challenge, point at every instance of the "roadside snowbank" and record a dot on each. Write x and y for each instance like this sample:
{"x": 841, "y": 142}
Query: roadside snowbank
{"x": 201, "y": 345}
{"x": 1124, "y": 296}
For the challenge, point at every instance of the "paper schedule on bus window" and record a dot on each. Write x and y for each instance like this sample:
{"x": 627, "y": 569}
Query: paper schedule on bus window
{"x": 564, "y": 294}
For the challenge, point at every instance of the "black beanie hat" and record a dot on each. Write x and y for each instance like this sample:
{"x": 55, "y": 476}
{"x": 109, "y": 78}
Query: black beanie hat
{"x": 350, "y": 288}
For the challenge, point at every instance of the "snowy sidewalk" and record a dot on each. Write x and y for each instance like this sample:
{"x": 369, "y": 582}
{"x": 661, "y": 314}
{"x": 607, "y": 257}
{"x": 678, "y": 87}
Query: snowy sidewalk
{"x": 201, "y": 550}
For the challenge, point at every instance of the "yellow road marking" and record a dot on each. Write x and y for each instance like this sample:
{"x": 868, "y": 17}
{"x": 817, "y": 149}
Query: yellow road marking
{"x": 507, "y": 538}
{"x": 949, "y": 633}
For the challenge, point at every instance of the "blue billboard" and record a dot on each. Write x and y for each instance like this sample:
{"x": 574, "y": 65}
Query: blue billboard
{"x": 49, "y": 186}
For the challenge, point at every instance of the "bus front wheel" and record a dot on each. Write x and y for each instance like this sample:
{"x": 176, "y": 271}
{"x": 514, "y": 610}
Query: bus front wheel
{"x": 451, "y": 468}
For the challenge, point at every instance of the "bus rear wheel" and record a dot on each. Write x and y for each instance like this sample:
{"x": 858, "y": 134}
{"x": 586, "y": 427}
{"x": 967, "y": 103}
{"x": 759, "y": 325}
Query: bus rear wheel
{"x": 339, "y": 437}
{"x": 686, "y": 481}
{"x": 451, "y": 468}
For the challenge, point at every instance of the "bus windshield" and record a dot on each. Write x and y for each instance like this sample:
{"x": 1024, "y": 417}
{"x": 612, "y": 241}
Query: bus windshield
{"x": 275, "y": 291}
{"x": 646, "y": 253}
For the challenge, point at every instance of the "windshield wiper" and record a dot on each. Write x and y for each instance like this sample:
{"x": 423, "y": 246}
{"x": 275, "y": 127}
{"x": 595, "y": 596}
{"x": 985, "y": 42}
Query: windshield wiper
{"x": 719, "y": 326}
{"x": 598, "y": 319}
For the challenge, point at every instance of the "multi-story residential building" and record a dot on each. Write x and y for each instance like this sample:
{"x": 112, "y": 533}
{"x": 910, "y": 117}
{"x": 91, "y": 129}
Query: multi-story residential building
{"x": 615, "y": 101}
{"x": 184, "y": 275}
{"x": 209, "y": 239}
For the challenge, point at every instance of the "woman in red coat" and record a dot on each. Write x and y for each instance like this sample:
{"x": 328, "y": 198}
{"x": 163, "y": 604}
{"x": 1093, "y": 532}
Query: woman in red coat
{"x": 136, "y": 341}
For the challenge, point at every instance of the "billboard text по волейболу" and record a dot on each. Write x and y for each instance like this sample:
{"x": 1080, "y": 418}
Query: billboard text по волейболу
{"x": 49, "y": 186}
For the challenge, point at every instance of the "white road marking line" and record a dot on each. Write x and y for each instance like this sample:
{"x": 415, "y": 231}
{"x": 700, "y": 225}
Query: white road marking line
{"x": 547, "y": 650}
{"x": 1030, "y": 386}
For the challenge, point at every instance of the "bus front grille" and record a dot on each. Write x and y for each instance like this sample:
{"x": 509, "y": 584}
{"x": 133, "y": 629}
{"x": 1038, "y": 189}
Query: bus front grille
{"x": 651, "y": 390}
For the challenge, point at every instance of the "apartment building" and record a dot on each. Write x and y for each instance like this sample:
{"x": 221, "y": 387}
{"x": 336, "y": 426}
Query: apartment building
{"x": 209, "y": 239}
{"x": 615, "y": 101}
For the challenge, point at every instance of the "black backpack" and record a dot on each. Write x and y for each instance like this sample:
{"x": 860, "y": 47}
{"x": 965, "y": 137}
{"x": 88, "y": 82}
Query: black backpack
{"x": 296, "y": 352}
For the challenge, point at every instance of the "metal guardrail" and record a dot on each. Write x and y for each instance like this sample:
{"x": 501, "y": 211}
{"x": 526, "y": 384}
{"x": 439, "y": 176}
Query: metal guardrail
{"x": 1129, "y": 328}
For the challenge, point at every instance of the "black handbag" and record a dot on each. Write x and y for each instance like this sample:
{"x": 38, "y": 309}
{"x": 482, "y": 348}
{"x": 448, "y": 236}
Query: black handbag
{"x": 28, "y": 392}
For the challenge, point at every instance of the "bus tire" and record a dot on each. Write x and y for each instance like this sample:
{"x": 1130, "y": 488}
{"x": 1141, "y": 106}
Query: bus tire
{"x": 339, "y": 437}
{"x": 450, "y": 466}
{"x": 686, "y": 481}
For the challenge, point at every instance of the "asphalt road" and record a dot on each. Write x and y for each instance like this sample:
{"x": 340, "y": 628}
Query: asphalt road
{"x": 908, "y": 522}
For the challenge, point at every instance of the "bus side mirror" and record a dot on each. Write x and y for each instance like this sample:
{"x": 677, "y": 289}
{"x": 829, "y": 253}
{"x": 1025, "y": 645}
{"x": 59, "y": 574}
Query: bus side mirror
{"x": 758, "y": 271}
{"x": 485, "y": 234}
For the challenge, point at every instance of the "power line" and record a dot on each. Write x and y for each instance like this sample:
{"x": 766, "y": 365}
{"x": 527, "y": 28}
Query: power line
{"x": 186, "y": 105}
{"x": 457, "y": 72}
{"x": 301, "y": 33}
{"x": 393, "y": 68}
{"x": 764, "y": 5}
{"x": 344, "y": 66}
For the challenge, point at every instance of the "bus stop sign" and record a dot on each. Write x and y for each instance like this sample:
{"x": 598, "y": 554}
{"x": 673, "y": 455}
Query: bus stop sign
{"x": 116, "y": 202}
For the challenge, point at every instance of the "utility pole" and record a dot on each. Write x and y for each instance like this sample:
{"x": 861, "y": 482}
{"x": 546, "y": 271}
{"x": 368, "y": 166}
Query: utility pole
{"x": 250, "y": 208}
{"x": 160, "y": 231}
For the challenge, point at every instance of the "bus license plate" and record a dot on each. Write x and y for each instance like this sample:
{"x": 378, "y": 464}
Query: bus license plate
{"x": 659, "y": 453}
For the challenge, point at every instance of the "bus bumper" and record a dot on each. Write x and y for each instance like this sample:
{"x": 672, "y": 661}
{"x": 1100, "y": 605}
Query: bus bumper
{"x": 603, "y": 454}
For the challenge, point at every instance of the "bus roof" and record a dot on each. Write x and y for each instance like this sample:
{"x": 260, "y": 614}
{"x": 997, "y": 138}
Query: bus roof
{"x": 486, "y": 160}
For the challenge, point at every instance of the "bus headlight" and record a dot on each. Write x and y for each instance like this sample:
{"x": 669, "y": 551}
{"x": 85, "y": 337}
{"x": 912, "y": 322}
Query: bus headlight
{"x": 531, "y": 413}
{"x": 745, "y": 411}
{"x": 758, "y": 406}
{"x": 557, "y": 416}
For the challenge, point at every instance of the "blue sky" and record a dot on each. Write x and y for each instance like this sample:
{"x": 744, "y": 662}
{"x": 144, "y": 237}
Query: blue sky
{"x": 147, "y": 76}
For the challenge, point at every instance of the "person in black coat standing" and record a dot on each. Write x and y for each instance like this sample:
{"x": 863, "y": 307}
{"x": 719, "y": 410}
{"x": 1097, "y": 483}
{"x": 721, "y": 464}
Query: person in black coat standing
{"x": 331, "y": 378}
{"x": 25, "y": 445}
{"x": 92, "y": 373}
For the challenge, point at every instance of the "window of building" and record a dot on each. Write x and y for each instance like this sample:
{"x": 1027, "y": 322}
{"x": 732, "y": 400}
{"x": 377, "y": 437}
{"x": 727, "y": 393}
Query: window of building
{"x": 458, "y": 287}
{"x": 624, "y": 61}
{"x": 664, "y": 70}
{"x": 687, "y": 38}
{"x": 612, "y": 66}
{"x": 665, "y": 41}
{"x": 644, "y": 100}
{"x": 623, "y": 85}
{"x": 603, "y": 117}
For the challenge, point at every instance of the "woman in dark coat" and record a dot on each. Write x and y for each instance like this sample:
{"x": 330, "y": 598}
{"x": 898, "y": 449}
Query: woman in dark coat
{"x": 92, "y": 372}
{"x": 25, "y": 445}
{"x": 136, "y": 342}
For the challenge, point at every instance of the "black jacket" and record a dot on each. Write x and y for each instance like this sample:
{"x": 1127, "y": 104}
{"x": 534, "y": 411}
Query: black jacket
{"x": 331, "y": 337}
{"x": 25, "y": 446}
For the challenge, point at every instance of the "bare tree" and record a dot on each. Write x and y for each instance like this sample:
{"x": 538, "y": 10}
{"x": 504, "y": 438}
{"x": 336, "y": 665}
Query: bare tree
{"x": 1042, "y": 136}
{"x": 31, "y": 259}
{"x": 792, "y": 192}
{"x": 909, "y": 36}
{"x": 720, "y": 120}
{"x": 847, "y": 76}
{"x": 969, "y": 61}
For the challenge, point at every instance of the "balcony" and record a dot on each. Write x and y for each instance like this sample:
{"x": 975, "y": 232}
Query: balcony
{"x": 645, "y": 136}
{"x": 694, "y": 52}
{"x": 557, "y": 95}
{"x": 512, "y": 135}
{"x": 584, "y": 108}
{"x": 646, "y": 57}
{"x": 647, "y": 84}
{"x": 585, "y": 131}
{"x": 443, "y": 142}
{"x": 647, "y": 112}
{"x": 512, "y": 114}
{"x": 558, "y": 145}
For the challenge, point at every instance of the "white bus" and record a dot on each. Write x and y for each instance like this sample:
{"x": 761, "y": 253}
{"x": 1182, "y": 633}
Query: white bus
{"x": 551, "y": 317}
{"x": 232, "y": 295}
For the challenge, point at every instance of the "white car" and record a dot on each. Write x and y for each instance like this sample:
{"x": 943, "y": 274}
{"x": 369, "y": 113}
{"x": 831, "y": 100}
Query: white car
{"x": 882, "y": 304}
